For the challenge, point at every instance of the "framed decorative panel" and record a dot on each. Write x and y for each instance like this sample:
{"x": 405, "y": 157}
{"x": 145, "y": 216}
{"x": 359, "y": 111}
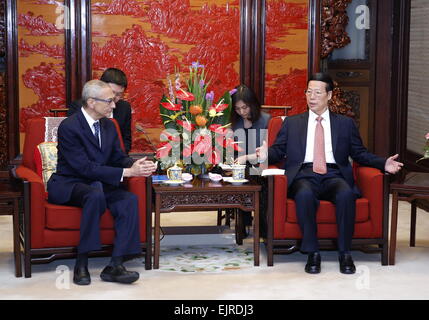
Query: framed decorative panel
{"x": 286, "y": 54}
{"x": 153, "y": 40}
{"x": 41, "y": 58}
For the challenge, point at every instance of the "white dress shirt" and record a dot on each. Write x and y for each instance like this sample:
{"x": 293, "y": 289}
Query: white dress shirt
{"x": 326, "y": 123}
{"x": 91, "y": 126}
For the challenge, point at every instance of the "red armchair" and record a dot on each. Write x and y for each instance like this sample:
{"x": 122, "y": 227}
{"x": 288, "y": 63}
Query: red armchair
{"x": 51, "y": 231}
{"x": 371, "y": 226}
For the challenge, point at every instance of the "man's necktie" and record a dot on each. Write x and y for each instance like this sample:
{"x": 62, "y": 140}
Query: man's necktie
{"x": 319, "y": 160}
{"x": 97, "y": 131}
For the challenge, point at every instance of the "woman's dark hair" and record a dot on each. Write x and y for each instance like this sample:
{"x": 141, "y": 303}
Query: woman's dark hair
{"x": 324, "y": 77}
{"x": 246, "y": 95}
{"x": 116, "y": 76}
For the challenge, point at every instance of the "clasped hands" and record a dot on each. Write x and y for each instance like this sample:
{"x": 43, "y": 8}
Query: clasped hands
{"x": 141, "y": 168}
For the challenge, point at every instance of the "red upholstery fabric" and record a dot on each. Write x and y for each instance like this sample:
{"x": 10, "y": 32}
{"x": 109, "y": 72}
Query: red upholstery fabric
{"x": 38, "y": 161}
{"x": 68, "y": 218}
{"x": 369, "y": 208}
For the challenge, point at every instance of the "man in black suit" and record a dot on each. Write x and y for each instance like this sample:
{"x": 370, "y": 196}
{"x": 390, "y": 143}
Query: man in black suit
{"x": 91, "y": 166}
{"x": 117, "y": 81}
{"x": 316, "y": 146}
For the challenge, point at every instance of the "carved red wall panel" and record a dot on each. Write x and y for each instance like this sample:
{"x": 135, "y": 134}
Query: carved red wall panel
{"x": 41, "y": 58}
{"x": 286, "y": 48}
{"x": 149, "y": 40}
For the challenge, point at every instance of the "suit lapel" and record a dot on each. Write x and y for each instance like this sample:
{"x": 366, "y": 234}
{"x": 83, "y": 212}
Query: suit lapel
{"x": 303, "y": 126}
{"x": 333, "y": 118}
{"x": 87, "y": 130}
{"x": 103, "y": 132}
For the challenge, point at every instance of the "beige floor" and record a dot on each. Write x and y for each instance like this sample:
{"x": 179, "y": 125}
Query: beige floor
{"x": 408, "y": 279}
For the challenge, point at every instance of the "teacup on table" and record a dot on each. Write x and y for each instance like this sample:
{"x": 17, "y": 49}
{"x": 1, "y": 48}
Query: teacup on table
{"x": 238, "y": 171}
{"x": 174, "y": 173}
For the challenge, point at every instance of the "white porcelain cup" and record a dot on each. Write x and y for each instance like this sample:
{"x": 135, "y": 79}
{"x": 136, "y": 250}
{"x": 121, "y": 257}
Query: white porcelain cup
{"x": 174, "y": 173}
{"x": 238, "y": 171}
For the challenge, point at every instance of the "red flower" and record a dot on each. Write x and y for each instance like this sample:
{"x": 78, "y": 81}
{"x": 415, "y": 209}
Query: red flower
{"x": 221, "y": 107}
{"x": 186, "y": 125}
{"x": 165, "y": 135}
{"x": 218, "y": 129}
{"x": 215, "y": 158}
{"x": 203, "y": 144}
{"x": 171, "y": 106}
{"x": 183, "y": 95}
{"x": 163, "y": 149}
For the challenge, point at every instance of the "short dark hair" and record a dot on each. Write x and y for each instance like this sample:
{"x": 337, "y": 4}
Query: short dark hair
{"x": 324, "y": 77}
{"x": 116, "y": 76}
{"x": 245, "y": 94}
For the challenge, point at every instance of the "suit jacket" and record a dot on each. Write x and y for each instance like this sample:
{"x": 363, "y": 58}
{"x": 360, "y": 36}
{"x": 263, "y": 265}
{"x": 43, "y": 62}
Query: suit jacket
{"x": 80, "y": 158}
{"x": 121, "y": 113}
{"x": 346, "y": 142}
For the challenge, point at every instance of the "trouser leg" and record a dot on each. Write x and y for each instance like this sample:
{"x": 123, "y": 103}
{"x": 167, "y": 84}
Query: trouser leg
{"x": 341, "y": 194}
{"x": 124, "y": 208}
{"x": 92, "y": 201}
{"x": 306, "y": 204}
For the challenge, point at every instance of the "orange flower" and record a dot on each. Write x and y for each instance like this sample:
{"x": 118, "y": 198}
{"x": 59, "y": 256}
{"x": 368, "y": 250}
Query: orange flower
{"x": 197, "y": 109}
{"x": 200, "y": 120}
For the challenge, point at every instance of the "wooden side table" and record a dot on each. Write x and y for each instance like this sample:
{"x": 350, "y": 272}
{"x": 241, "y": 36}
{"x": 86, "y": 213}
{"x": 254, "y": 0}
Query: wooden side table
{"x": 202, "y": 195}
{"x": 9, "y": 205}
{"x": 415, "y": 186}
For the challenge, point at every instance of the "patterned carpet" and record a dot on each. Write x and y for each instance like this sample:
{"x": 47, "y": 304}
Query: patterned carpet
{"x": 207, "y": 259}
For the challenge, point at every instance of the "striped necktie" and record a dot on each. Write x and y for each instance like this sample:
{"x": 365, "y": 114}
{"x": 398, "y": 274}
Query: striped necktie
{"x": 97, "y": 131}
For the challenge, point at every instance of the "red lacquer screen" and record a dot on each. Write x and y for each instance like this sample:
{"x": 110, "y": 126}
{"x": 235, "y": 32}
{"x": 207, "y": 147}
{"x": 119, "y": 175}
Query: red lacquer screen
{"x": 41, "y": 58}
{"x": 286, "y": 48}
{"x": 150, "y": 40}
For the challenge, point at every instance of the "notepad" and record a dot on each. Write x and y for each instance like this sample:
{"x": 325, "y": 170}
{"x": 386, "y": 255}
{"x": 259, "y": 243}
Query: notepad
{"x": 159, "y": 178}
{"x": 273, "y": 172}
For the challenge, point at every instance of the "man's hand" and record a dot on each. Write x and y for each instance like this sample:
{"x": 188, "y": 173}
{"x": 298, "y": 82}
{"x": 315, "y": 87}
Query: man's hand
{"x": 141, "y": 167}
{"x": 393, "y": 166}
{"x": 262, "y": 152}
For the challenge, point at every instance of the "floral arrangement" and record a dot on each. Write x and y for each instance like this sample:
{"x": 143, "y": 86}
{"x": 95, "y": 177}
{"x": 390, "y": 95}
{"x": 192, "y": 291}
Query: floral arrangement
{"x": 425, "y": 149}
{"x": 197, "y": 133}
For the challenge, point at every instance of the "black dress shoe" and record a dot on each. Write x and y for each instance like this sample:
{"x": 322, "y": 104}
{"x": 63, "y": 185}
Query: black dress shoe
{"x": 346, "y": 263}
{"x": 81, "y": 276}
{"x": 313, "y": 263}
{"x": 118, "y": 274}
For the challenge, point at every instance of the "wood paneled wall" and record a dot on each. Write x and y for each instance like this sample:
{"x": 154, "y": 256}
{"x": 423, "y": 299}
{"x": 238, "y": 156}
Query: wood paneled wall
{"x": 253, "y": 20}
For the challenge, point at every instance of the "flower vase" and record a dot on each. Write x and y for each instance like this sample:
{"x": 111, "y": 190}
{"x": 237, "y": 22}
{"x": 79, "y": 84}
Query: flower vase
{"x": 204, "y": 175}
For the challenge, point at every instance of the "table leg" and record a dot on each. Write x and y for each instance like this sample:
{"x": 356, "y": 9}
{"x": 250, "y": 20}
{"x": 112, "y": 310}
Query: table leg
{"x": 256, "y": 231}
{"x": 393, "y": 228}
{"x": 16, "y": 242}
{"x": 157, "y": 244}
{"x": 413, "y": 223}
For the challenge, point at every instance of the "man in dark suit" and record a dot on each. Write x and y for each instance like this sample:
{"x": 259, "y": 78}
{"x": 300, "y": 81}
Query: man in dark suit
{"x": 90, "y": 168}
{"x": 117, "y": 81}
{"x": 316, "y": 146}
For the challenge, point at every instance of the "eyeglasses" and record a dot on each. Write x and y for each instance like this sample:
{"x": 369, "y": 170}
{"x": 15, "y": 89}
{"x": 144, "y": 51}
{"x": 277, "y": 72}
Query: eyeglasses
{"x": 317, "y": 93}
{"x": 108, "y": 101}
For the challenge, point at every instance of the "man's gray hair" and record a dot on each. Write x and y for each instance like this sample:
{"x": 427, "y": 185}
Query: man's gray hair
{"x": 91, "y": 89}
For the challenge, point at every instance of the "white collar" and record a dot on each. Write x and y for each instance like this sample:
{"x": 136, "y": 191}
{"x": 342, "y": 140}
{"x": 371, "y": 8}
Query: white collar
{"x": 324, "y": 115}
{"x": 88, "y": 118}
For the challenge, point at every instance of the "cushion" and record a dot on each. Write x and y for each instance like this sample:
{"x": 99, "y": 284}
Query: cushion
{"x": 45, "y": 158}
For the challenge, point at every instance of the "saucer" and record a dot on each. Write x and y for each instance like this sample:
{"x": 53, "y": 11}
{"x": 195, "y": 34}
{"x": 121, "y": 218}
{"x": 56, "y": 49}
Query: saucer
{"x": 187, "y": 177}
{"x": 173, "y": 183}
{"x": 237, "y": 182}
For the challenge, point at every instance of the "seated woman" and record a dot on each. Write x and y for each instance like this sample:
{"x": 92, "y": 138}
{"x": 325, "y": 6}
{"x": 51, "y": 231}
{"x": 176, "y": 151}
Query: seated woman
{"x": 249, "y": 124}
